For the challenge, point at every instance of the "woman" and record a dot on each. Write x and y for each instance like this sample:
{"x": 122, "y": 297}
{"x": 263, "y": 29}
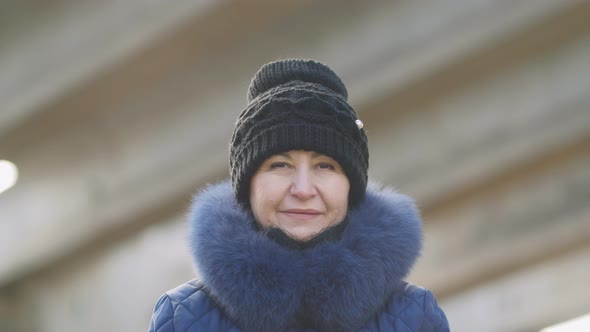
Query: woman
{"x": 296, "y": 241}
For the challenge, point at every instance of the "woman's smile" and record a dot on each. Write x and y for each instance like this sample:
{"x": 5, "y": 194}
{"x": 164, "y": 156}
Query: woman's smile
{"x": 301, "y": 214}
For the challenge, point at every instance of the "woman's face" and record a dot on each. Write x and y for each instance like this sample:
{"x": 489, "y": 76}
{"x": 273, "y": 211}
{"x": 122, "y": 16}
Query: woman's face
{"x": 299, "y": 192}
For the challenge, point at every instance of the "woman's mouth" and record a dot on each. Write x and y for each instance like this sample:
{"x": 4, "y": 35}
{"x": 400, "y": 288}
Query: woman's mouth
{"x": 302, "y": 214}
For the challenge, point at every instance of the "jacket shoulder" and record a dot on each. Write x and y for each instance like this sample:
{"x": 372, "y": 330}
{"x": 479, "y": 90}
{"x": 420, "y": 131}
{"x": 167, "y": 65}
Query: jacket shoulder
{"x": 186, "y": 308}
{"x": 412, "y": 308}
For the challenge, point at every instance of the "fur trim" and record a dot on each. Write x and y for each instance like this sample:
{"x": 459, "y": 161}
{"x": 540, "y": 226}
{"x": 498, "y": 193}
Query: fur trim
{"x": 336, "y": 286}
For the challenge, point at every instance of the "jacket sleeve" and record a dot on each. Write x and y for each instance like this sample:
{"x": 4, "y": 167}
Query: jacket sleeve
{"x": 162, "y": 318}
{"x": 412, "y": 308}
{"x": 435, "y": 319}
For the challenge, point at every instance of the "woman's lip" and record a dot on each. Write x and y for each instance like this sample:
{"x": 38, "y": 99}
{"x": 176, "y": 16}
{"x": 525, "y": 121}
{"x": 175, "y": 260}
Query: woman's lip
{"x": 302, "y": 211}
{"x": 301, "y": 214}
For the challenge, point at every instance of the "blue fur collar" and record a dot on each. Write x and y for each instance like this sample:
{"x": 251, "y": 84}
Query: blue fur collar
{"x": 332, "y": 286}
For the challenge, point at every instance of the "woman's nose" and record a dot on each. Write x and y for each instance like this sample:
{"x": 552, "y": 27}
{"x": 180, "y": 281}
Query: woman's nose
{"x": 303, "y": 186}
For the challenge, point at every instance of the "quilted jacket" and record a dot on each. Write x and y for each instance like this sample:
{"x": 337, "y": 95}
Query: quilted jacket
{"x": 248, "y": 281}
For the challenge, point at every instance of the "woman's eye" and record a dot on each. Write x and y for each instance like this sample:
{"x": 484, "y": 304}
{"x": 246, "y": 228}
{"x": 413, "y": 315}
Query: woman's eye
{"x": 279, "y": 165}
{"x": 326, "y": 166}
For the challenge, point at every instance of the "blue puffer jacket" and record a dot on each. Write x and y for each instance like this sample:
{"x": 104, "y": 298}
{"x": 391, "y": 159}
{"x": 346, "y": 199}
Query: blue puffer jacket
{"x": 249, "y": 282}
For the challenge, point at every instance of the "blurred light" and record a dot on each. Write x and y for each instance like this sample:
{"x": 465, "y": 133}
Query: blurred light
{"x": 8, "y": 175}
{"x": 575, "y": 325}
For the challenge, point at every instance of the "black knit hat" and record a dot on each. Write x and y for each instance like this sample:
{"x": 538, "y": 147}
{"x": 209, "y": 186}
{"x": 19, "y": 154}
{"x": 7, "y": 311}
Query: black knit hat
{"x": 298, "y": 105}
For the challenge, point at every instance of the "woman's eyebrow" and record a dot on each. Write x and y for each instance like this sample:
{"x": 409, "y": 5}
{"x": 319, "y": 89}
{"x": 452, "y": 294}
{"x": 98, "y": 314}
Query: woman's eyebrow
{"x": 317, "y": 154}
{"x": 285, "y": 154}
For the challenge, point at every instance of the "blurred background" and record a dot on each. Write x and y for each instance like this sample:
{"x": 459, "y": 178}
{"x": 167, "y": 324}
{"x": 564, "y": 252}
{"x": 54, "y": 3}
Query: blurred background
{"x": 115, "y": 112}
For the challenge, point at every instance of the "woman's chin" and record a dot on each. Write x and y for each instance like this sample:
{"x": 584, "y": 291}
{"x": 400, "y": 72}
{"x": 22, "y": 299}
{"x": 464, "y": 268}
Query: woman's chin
{"x": 301, "y": 235}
